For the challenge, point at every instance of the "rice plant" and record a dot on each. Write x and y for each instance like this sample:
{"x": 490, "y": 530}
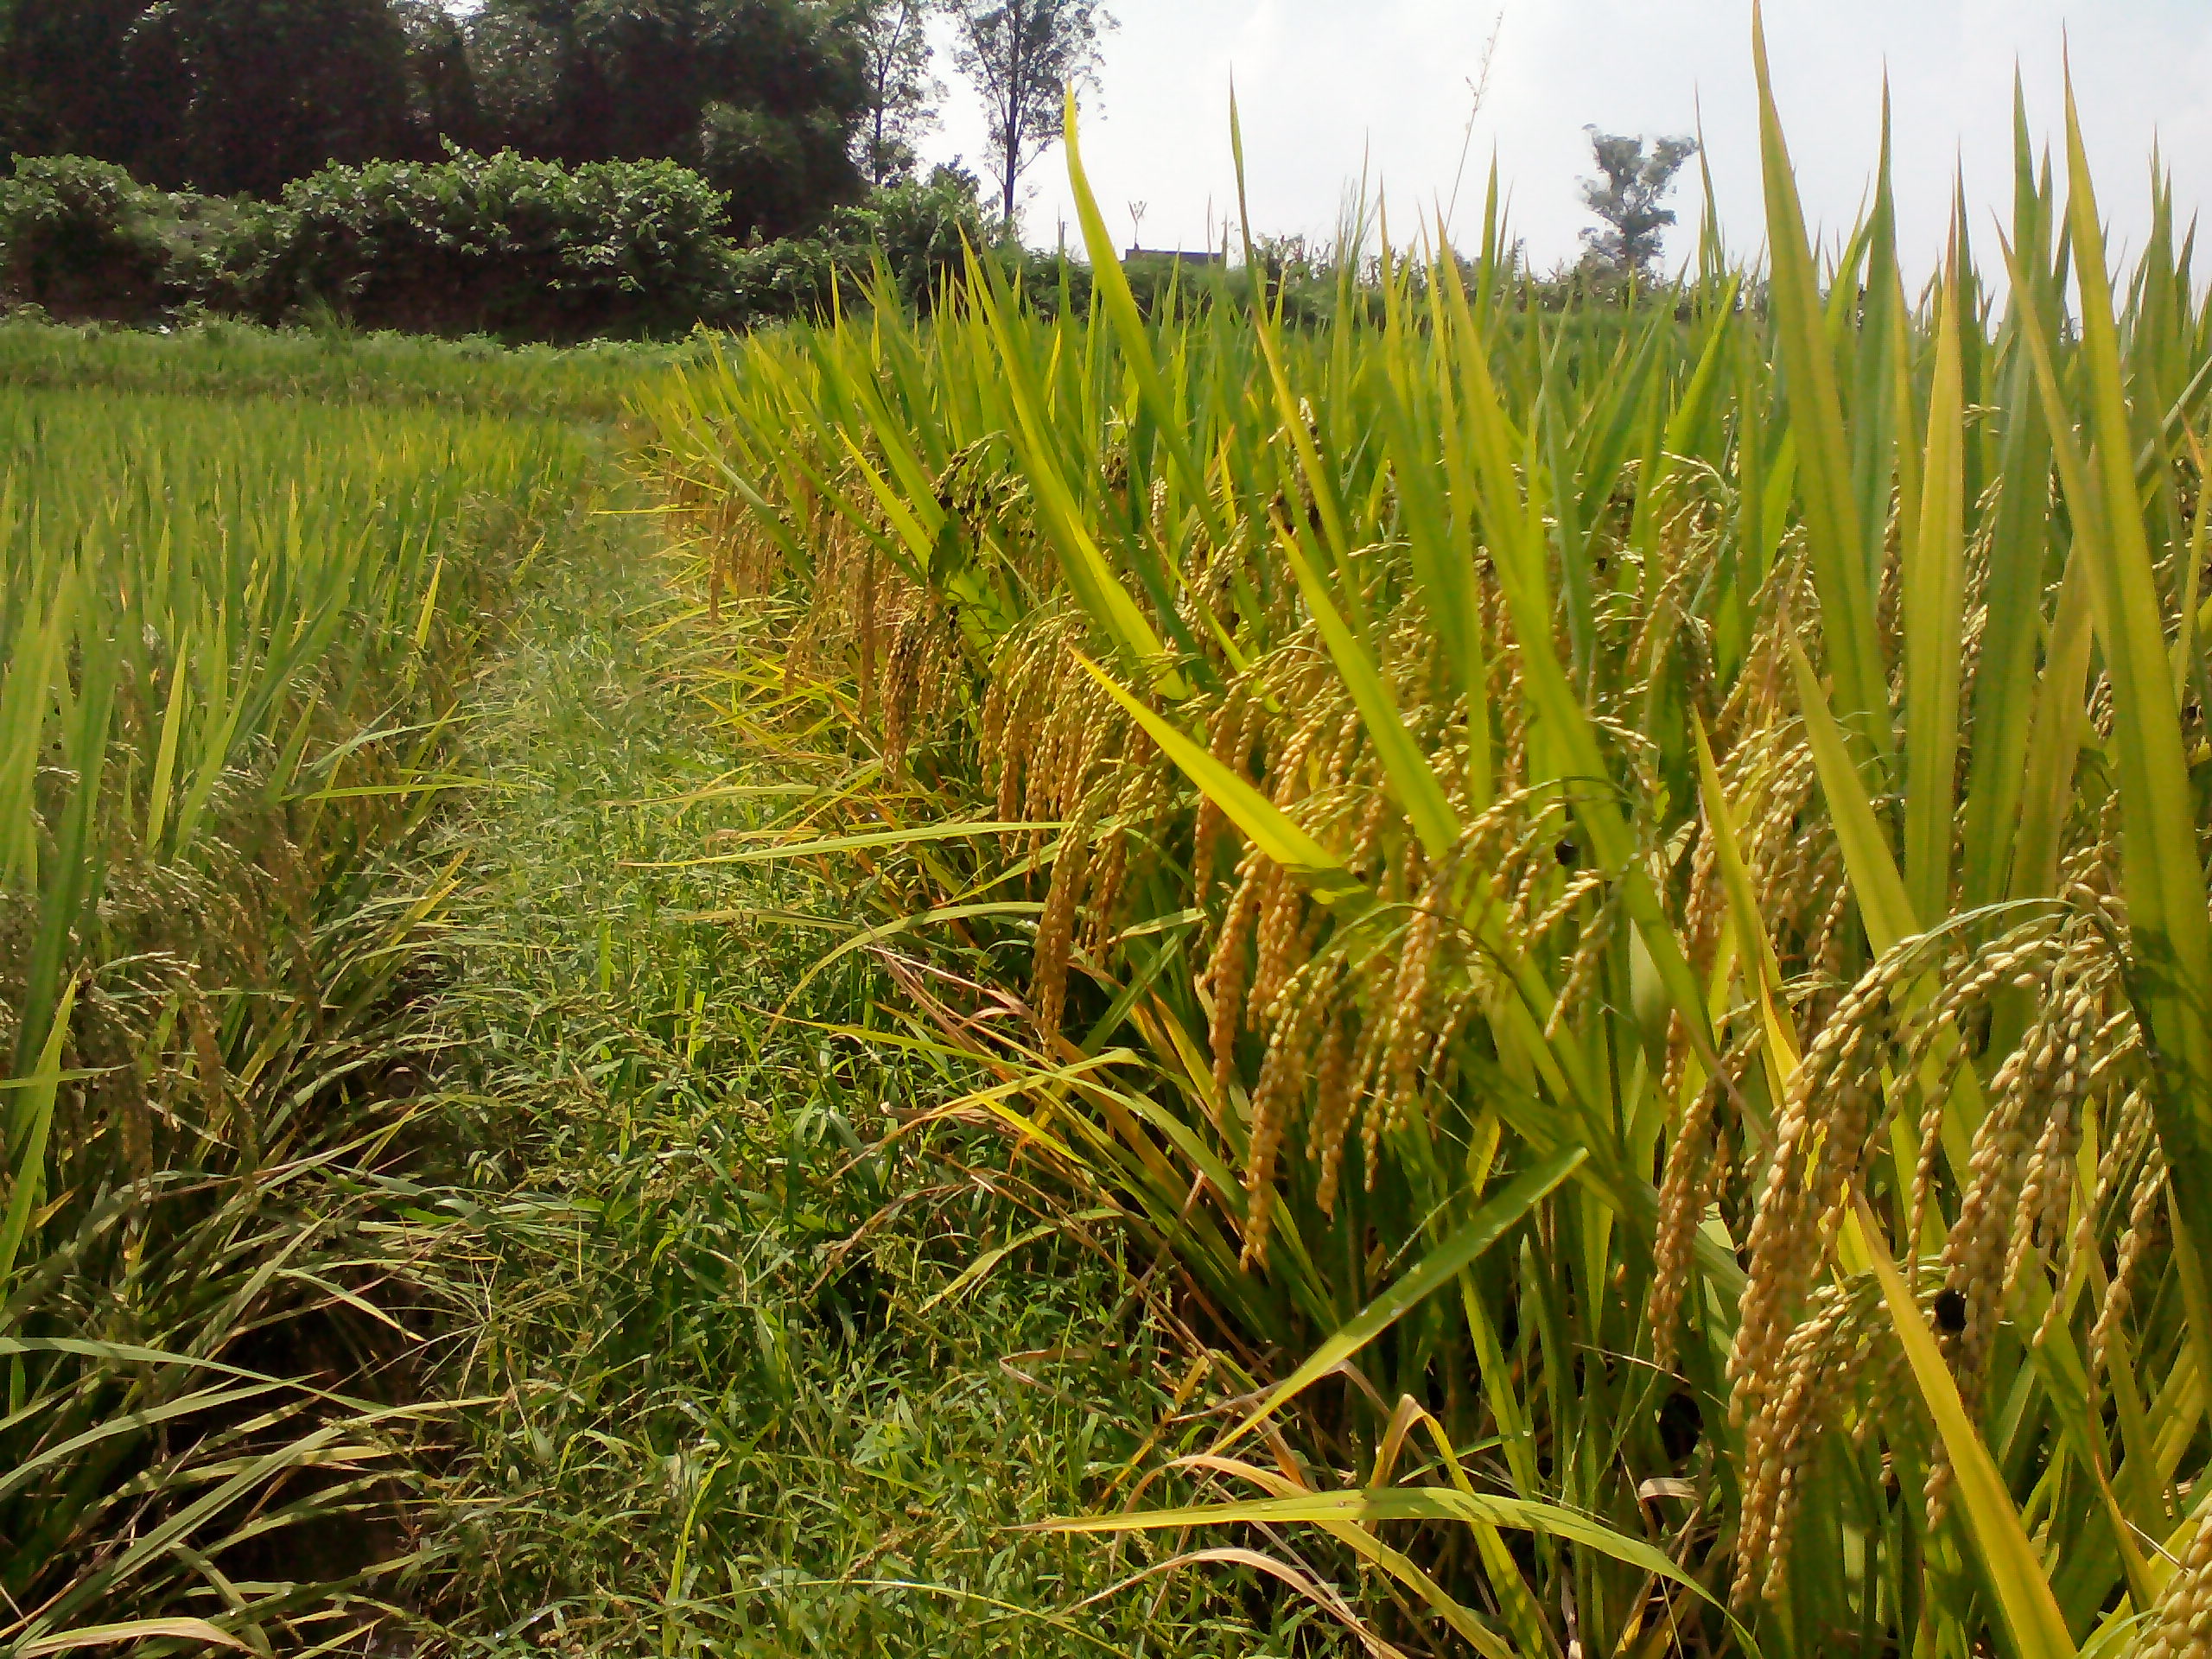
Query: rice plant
{"x": 1623, "y": 893}
{"x": 231, "y": 629}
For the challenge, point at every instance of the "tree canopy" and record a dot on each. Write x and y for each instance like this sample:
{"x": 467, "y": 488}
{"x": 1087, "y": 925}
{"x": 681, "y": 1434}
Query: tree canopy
{"x": 894, "y": 40}
{"x": 1636, "y": 177}
{"x": 1022, "y": 56}
{"x": 773, "y": 100}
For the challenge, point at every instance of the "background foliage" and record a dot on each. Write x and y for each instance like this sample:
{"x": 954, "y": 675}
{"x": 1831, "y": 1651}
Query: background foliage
{"x": 763, "y": 98}
{"x": 499, "y": 244}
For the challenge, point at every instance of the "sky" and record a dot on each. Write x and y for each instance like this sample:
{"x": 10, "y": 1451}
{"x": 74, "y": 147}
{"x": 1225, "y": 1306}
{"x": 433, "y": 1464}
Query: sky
{"x": 1330, "y": 89}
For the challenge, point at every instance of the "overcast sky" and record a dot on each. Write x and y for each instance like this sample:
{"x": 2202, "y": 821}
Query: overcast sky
{"x": 1328, "y": 86}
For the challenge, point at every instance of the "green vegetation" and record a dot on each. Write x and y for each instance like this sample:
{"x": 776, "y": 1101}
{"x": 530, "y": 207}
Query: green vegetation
{"x": 754, "y": 1395}
{"x": 496, "y": 245}
{"x": 388, "y": 1069}
{"x": 227, "y": 360}
{"x": 787, "y": 109}
{"x": 765, "y": 99}
{"x": 1483, "y": 977}
{"x": 534, "y": 169}
{"x": 1026, "y": 59}
{"x": 1563, "y": 847}
{"x": 233, "y": 629}
{"x": 503, "y": 246}
{"x": 1625, "y": 201}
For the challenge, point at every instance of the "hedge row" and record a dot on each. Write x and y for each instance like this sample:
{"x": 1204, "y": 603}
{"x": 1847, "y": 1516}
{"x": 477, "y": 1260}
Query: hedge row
{"x": 492, "y": 244}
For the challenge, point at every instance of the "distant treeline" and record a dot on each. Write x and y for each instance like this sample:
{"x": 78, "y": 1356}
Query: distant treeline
{"x": 522, "y": 249}
{"x": 763, "y": 99}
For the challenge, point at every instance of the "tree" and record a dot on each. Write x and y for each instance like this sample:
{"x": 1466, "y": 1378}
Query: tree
{"x": 61, "y": 65}
{"x": 1022, "y": 56}
{"x": 240, "y": 97}
{"x": 769, "y": 98}
{"x": 1626, "y": 247}
{"x": 893, "y": 36}
{"x": 230, "y": 95}
{"x": 763, "y": 97}
{"x": 444, "y": 102}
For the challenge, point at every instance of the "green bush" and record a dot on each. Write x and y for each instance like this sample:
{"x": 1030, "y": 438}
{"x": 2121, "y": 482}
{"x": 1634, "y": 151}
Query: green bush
{"x": 920, "y": 232}
{"x": 922, "y": 229}
{"x": 83, "y": 240}
{"x": 484, "y": 244}
{"x": 792, "y": 277}
{"x": 222, "y": 254}
{"x": 503, "y": 244}
{"x": 80, "y": 239}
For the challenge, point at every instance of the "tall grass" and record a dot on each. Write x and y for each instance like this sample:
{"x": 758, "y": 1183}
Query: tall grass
{"x": 1623, "y": 894}
{"x": 231, "y": 634}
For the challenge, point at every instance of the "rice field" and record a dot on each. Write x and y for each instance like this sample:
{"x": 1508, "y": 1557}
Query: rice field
{"x": 1615, "y": 899}
{"x": 1436, "y": 976}
{"x": 422, "y": 1238}
{"x": 233, "y": 630}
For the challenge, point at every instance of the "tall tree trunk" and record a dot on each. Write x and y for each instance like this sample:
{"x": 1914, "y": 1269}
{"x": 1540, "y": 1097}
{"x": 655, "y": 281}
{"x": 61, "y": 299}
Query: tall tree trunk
{"x": 1017, "y": 69}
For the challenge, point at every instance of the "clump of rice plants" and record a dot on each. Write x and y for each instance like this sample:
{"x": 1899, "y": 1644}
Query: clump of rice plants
{"x": 1624, "y": 893}
{"x": 231, "y": 632}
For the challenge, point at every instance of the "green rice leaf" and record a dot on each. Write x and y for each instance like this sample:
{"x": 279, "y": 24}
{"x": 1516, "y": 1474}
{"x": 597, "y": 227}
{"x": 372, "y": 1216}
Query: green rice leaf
{"x": 2015, "y": 1574}
{"x": 1265, "y": 823}
{"x": 1498, "y": 1215}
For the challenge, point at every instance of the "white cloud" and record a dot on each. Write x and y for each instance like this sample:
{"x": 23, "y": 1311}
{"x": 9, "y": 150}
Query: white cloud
{"x": 1327, "y": 88}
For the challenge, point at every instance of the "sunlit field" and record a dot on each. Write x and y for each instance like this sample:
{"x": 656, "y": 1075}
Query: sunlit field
{"x": 1616, "y": 897}
{"x": 1443, "y": 964}
{"x": 234, "y": 627}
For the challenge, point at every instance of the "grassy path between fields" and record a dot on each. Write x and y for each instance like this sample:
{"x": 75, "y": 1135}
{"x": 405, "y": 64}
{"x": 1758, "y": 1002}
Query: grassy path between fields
{"x": 718, "y": 1428}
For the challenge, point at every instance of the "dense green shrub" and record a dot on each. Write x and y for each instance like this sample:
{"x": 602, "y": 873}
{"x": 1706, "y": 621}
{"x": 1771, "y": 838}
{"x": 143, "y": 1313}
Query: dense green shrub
{"x": 507, "y": 245}
{"x": 492, "y": 244}
{"x": 222, "y": 254}
{"x": 918, "y": 230}
{"x": 921, "y": 228}
{"x": 81, "y": 238}
{"x": 919, "y": 233}
{"x": 764, "y": 98}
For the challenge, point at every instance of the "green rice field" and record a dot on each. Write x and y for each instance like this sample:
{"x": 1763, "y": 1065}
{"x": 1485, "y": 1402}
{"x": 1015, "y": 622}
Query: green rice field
{"x": 1456, "y": 974}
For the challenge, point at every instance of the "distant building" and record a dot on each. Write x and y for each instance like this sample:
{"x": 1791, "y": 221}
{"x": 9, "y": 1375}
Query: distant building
{"x": 1175, "y": 255}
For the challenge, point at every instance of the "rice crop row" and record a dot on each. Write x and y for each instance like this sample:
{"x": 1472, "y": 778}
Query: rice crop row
{"x": 1622, "y": 892}
{"x": 231, "y": 629}
{"x": 221, "y": 357}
